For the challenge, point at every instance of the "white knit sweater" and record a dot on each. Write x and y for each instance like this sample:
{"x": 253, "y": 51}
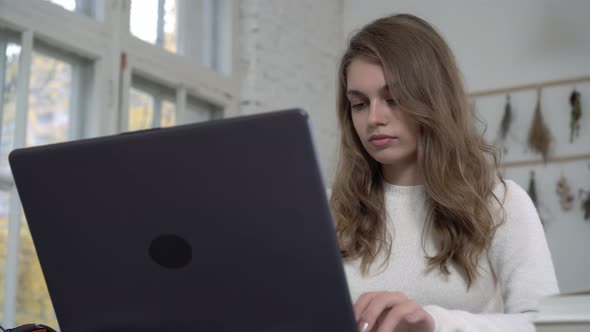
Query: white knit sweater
{"x": 514, "y": 274}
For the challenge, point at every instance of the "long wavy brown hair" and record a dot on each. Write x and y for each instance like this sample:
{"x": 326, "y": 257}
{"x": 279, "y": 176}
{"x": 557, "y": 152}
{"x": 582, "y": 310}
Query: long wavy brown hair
{"x": 458, "y": 168}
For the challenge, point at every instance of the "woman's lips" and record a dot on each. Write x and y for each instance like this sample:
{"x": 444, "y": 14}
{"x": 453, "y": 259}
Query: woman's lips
{"x": 381, "y": 140}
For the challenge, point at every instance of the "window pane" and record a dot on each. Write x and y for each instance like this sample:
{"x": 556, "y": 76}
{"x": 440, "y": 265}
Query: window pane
{"x": 67, "y": 4}
{"x": 33, "y": 303}
{"x": 170, "y": 25}
{"x": 200, "y": 30}
{"x": 150, "y": 104}
{"x": 8, "y": 105}
{"x": 199, "y": 111}
{"x": 154, "y": 21}
{"x": 144, "y": 20}
{"x": 205, "y": 32}
{"x": 168, "y": 114}
{"x": 49, "y": 100}
{"x": 4, "y": 204}
{"x": 141, "y": 110}
{"x": 85, "y": 7}
{"x": 48, "y": 121}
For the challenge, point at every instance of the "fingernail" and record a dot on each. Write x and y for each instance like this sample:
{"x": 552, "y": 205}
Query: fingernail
{"x": 365, "y": 327}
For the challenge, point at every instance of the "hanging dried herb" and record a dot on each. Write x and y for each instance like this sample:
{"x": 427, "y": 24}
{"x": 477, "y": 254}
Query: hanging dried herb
{"x": 532, "y": 188}
{"x": 586, "y": 207}
{"x": 533, "y": 193}
{"x": 539, "y": 139}
{"x": 506, "y": 119}
{"x": 576, "y": 103}
{"x": 566, "y": 198}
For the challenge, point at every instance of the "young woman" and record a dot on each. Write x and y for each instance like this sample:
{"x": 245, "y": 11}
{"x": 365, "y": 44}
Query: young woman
{"x": 432, "y": 237}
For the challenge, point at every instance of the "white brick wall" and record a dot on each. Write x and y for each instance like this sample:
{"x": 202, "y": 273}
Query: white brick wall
{"x": 289, "y": 55}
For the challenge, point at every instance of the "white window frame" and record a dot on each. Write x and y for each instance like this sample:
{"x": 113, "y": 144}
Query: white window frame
{"x": 157, "y": 93}
{"x": 81, "y": 96}
{"x": 107, "y": 42}
{"x": 14, "y": 214}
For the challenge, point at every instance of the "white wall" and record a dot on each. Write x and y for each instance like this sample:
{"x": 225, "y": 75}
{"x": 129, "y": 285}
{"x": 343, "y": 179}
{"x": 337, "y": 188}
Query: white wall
{"x": 567, "y": 232}
{"x": 289, "y": 51}
{"x": 504, "y": 43}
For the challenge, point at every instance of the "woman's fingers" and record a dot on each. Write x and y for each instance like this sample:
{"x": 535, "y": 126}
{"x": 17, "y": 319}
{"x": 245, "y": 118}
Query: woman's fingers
{"x": 391, "y": 312}
{"x": 396, "y": 317}
{"x": 361, "y": 304}
{"x": 420, "y": 320}
{"x": 369, "y": 308}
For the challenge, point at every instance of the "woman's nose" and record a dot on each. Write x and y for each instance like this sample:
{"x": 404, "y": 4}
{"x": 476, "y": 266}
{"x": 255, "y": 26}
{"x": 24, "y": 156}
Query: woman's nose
{"x": 378, "y": 113}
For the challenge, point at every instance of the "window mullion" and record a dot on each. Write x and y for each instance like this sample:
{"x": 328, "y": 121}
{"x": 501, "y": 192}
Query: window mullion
{"x": 182, "y": 8}
{"x": 88, "y": 8}
{"x": 22, "y": 93}
{"x": 75, "y": 125}
{"x": 190, "y": 29}
{"x": 117, "y": 78}
{"x": 207, "y": 33}
{"x": 181, "y": 105}
{"x": 13, "y": 247}
{"x": 216, "y": 37}
{"x": 14, "y": 219}
{"x": 160, "y": 24}
{"x": 226, "y": 26}
{"x": 124, "y": 87}
{"x": 157, "y": 115}
{"x": 3, "y": 63}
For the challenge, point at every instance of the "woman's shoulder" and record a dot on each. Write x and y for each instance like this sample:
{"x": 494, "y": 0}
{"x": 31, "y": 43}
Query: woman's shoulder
{"x": 511, "y": 193}
{"x": 517, "y": 213}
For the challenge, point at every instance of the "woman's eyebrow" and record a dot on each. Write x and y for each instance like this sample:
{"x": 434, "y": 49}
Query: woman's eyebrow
{"x": 383, "y": 89}
{"x": 386, "y": 88}
{"x": 355, "y": 93}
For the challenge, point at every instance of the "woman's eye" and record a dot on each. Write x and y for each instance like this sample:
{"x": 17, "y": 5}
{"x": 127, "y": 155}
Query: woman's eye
{"x": 358, "y": 106}
{"x": 391, "y": 102}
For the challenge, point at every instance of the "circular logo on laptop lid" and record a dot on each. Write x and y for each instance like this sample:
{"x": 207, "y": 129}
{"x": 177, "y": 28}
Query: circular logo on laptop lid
{"x": 171, "y": 251}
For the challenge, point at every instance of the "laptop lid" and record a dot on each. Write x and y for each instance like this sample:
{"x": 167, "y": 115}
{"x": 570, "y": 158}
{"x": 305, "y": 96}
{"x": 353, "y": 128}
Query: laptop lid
{"x": 217, "y": 226}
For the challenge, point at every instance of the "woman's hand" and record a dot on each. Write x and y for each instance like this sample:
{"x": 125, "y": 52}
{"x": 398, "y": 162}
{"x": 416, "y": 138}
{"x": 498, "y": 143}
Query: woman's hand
{"x": 391, "y": 312}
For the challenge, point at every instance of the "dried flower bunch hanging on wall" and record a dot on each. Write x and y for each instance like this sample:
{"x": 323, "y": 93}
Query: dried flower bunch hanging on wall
{"x": 585, "y": 203}
{"x": 576, "y": 114}
{"x": 539, "y": 139}
{"x": 532, "y": 188}
{"x": 506, "y": 119}
{"x": 566, "y": 198}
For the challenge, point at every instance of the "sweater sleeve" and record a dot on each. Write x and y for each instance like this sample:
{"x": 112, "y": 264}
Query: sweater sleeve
{"x": 521, "y": 260}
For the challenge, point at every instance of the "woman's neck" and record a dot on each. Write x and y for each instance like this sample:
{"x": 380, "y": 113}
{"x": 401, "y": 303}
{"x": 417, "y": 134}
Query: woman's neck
{"x": 402, "y": 174}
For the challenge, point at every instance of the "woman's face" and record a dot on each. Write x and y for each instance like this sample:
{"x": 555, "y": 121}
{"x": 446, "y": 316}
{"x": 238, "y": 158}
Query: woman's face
{"x": 387, "y": 133}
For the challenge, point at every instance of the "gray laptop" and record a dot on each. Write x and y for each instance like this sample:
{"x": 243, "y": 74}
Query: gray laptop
{"x": 218, "y": 226}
